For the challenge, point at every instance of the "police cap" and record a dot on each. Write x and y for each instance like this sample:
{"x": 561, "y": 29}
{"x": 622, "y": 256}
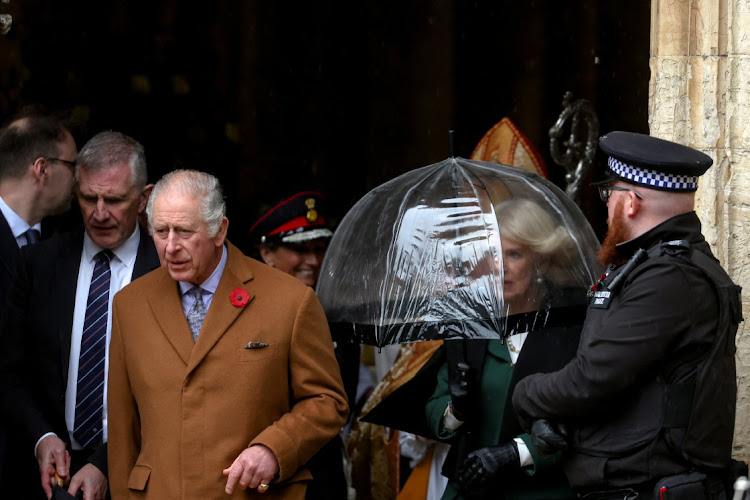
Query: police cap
{"x": 652, "y": 162}
{"x": 294, "y": 220}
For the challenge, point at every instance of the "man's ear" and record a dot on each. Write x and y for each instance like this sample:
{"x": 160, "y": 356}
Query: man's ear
{"x": 39, "y": 170}
{"x": 221, "y": 235}
{"x": 144, "y": 197}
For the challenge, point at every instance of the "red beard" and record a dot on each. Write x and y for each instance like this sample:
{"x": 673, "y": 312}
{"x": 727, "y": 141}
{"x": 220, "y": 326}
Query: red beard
{"x": 616, "y": 233}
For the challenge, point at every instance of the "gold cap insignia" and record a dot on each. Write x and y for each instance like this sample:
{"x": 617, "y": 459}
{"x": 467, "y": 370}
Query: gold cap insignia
{"x": 312, "y": 214}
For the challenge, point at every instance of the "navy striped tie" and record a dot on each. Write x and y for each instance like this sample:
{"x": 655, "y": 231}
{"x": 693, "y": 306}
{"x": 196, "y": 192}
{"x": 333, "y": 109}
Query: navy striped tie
{"x": 90, "y": 390}
{"x": 32, "y": 236}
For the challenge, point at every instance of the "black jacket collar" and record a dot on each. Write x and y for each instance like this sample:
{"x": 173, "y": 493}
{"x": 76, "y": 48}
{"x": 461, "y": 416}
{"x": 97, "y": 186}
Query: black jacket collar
{"x": 685, "y": 226}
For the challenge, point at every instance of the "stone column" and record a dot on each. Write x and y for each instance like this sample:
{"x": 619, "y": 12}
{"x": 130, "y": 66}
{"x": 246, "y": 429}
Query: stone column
{"x": 699, "y": 95}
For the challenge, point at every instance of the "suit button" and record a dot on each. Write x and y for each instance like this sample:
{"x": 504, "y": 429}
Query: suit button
{"x": 62, "y": 397}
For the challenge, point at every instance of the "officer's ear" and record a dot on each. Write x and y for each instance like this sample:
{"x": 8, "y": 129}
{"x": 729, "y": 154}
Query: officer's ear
{"x": 633, "y": 204}
{"x": 267, "y": 255}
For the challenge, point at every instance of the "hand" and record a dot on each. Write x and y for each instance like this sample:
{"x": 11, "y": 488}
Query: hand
{"x": 91, "y": 481}
{"x": 459, "y": 387}
{"x": 484, "y": 464}
{"x": 548, "y": 437}
{"x": 254, "y": 466}
{"x": 52, "y": 457}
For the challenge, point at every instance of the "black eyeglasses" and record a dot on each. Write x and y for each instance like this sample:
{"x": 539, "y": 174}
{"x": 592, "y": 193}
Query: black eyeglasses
{"x": 606, "y": 191}
{"x": 69, "y": 163}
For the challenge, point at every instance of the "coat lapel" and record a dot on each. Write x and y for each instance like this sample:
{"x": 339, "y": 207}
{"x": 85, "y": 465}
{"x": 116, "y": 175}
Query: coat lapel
{"x": 221, "y": 313}
{"x": 166, "y": 305}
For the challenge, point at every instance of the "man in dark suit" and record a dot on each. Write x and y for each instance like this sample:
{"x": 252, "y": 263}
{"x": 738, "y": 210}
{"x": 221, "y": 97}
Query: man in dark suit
{"x": 56, "y": 383}
{"x": 37, "y": 157}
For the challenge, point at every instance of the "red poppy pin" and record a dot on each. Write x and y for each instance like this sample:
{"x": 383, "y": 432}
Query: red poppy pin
{"x": 239, "y": 297}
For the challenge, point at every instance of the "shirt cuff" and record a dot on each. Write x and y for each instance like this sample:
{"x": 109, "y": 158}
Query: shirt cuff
{"x": 450, "y": 422}
{"x": 524, "y": 454}
{"x": 40, "y": 440}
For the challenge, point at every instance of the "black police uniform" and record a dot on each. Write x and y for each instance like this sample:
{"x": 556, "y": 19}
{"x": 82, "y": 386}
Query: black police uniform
{"x": 658, "y": 324}
{"x": 630, "y": 393}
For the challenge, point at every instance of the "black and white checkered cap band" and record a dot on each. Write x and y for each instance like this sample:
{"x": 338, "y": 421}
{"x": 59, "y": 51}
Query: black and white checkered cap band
{"x": 649, "y": 177}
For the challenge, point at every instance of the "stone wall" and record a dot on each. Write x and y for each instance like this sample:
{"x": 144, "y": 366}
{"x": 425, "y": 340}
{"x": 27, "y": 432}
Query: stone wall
{"x": 699, "y": 95}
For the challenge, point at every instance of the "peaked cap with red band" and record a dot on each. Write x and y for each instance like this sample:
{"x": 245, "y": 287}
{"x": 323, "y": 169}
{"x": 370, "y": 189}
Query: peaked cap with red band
{"x": 294, "y": 220}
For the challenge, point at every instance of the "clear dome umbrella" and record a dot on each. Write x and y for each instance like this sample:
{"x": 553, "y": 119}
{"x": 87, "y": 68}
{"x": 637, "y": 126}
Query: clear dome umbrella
{"x": 434, "y": 254}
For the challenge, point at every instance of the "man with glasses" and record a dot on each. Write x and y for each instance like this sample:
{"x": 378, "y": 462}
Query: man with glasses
{"x": 35, "y": 182}
{"x": 646, "y": 409}
{"x": 37, "y": 157}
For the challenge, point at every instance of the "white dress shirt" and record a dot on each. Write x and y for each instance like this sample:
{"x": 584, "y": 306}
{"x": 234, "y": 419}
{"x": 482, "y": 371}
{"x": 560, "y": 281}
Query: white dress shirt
{"x": 18, "y": 226}
{"x": 121, "y": 269}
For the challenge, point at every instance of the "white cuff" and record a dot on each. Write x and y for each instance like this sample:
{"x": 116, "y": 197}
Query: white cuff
{"x": 40, "y": 440}
{"x": 523, "y": 453}
{"x": 450, "y": 422}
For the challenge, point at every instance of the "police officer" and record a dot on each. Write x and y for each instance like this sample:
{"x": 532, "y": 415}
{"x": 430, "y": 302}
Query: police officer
{"x": 646, "y": 408}
{"x": 293, "y": 236}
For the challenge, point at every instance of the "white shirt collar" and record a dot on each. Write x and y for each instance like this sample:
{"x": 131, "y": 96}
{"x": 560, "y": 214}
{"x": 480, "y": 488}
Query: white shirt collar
{"x": 126, "y": 252}
{"x": 18, "y": 226}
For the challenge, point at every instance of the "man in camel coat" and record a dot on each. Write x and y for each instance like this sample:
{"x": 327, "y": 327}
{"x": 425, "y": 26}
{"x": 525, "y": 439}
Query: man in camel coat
{"x": 222, "y": 373}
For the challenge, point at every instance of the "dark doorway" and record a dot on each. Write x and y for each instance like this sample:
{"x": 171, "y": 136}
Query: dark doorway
{"x": 275, "y": 97}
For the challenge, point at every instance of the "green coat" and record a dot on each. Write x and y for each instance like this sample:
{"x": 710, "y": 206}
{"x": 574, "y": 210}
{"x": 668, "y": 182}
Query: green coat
{"x": 543, "y": 480}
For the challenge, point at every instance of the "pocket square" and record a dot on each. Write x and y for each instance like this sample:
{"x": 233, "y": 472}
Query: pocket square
{"x": 256, "y": 345}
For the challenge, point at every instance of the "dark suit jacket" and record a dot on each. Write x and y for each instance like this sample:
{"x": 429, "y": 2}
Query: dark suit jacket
{"x": 35, "y": 344}
{"x": 9, "y": 257}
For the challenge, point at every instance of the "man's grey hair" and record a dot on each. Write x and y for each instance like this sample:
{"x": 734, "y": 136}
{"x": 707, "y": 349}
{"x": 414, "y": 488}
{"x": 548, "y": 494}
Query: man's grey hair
{"x": 204, "y": 186}
{"x": 110, "y": 148}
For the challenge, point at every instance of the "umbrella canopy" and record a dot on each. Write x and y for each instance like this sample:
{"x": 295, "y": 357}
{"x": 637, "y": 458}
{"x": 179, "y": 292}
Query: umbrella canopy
{"x": 432, "y": 254}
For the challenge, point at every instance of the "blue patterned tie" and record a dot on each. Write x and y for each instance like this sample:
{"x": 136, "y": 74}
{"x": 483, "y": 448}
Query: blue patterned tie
{"x": 32, "y": 236}
{"x": 90, "y": 390}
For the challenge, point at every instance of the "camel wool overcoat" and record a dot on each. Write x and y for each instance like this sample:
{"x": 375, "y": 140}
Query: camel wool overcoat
{"x": 263, "y": 372}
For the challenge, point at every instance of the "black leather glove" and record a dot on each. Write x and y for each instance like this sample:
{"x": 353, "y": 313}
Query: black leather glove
{"x": 459, "y": 389}
{"x": 548, "y": 437}
{"x": 483, "y": 465}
